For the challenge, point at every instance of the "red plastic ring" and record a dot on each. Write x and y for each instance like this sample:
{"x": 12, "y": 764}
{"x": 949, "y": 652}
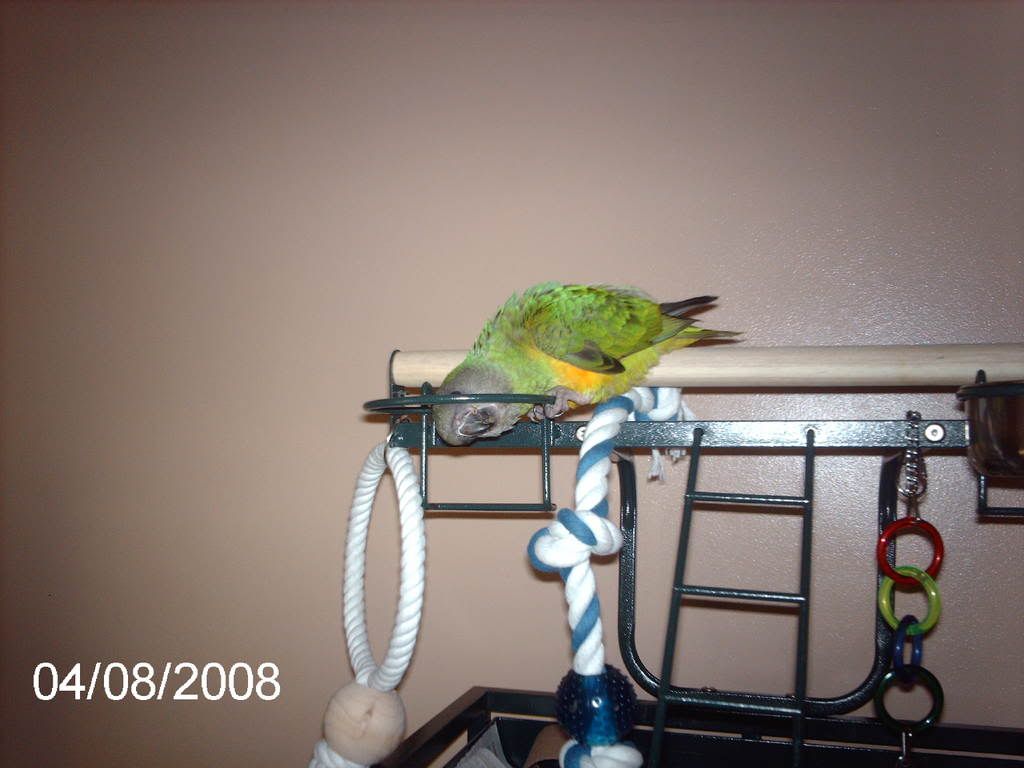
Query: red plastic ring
{"x": 897, "y": 527}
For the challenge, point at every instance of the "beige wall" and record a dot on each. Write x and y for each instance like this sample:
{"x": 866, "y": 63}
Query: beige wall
{"x": 219, "y": 219}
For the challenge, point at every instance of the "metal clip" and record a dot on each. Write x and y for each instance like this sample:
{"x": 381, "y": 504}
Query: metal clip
{"x": 906, "y": 747}
{"x": 913, "y": 478}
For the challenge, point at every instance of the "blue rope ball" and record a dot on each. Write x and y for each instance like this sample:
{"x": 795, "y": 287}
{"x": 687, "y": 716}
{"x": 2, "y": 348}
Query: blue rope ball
{"x": 596, "y": 710}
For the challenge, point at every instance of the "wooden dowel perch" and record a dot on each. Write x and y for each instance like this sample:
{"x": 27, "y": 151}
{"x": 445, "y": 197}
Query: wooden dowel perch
{"x": 736, "y": 365}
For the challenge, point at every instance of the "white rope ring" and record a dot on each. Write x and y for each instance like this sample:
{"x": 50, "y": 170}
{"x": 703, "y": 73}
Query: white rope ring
{"x": 413, "y": 570}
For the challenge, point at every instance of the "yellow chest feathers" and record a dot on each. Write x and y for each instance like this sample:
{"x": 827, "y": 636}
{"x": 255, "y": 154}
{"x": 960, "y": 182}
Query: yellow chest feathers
{"x": 578, "y": 379}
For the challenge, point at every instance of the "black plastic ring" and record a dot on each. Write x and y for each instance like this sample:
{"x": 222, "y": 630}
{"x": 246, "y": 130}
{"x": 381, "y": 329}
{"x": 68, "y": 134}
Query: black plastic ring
{"x": 930, "y": 682}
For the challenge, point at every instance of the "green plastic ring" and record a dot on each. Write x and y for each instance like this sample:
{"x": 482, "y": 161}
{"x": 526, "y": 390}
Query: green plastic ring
{"x": 930, "y": 682}
{"x": 931, "y": 589}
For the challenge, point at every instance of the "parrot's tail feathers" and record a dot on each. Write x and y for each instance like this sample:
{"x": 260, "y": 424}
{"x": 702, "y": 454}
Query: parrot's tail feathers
{"x": 679, "y": 308}
{"x": 687, "y": 335}
{"x": 707, "y": 333}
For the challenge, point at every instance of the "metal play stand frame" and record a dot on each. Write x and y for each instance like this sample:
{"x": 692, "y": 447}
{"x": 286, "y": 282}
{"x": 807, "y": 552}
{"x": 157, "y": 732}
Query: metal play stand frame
{"x": 705, "y": 727}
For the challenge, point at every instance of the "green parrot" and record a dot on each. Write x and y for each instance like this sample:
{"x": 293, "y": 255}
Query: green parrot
{"x": 580, "y": 343}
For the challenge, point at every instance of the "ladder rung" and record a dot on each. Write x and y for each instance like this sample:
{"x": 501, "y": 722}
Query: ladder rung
{"x": 741, "y": 594}
{"x": 485, "y": 507}
{"x": 749, "y": 498}
{"x": 732, "y": 702}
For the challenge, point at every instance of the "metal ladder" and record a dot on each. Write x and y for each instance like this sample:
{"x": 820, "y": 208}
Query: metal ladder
{"x": 795, "y": 707}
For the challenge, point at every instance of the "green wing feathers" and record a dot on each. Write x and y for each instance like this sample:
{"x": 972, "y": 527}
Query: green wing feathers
{"x": 582, "y": 324}
{"x": 618, "y": 332}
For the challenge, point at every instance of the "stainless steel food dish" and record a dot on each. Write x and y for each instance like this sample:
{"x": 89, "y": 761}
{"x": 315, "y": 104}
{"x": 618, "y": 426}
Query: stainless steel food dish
{"x": 995, "y": 412}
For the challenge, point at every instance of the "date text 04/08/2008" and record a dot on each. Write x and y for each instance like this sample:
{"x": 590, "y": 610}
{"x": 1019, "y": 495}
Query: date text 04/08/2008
{"x": 181, "y": 681}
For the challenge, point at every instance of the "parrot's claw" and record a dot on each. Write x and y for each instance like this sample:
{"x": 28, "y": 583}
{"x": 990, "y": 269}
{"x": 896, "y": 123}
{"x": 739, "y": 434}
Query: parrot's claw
{"x": 564, "y": 399}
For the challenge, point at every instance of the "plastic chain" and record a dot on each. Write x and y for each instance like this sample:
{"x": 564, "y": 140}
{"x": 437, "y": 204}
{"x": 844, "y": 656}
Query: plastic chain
{"x": 908, "y": 575}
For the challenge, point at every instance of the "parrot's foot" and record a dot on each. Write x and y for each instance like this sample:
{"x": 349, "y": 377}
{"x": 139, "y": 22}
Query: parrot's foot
{"x": 563, "y": 398}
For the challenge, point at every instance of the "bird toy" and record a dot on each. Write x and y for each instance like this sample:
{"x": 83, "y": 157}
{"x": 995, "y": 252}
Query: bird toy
{"x": 911, "y": 487}
{"x": 594, "y": 701}
{"x": 365, "y": 720}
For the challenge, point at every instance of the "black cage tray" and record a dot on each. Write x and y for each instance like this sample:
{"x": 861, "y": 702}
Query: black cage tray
{"x": 697, "y": 740}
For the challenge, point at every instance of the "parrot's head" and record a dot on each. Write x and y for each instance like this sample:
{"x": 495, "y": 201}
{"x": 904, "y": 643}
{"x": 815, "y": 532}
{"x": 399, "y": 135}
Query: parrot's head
{"x": 462, "y": 423}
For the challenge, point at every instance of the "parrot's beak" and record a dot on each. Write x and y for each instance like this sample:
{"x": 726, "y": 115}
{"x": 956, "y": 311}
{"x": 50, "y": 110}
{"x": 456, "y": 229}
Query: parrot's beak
{"x": 463, "y": 423}
{"x": 475, "y": 422}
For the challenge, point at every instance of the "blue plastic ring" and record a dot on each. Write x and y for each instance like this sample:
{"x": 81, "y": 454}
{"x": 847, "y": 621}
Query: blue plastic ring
{"x": 916, "y": 652}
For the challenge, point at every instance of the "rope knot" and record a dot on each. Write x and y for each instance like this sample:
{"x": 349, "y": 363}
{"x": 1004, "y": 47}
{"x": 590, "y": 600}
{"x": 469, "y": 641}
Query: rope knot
{"x": 572, "y": 539}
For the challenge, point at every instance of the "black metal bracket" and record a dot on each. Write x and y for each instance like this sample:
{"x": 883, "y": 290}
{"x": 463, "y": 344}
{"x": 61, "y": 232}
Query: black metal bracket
{"x": 737, "y": 701}
{"x": 407, "y": 434}
{"x": 797, "y": 705}
{"x": 984, "y": 510}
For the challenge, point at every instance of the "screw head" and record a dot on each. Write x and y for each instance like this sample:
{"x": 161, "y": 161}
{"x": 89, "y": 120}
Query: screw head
{"x": 934, "y": 433}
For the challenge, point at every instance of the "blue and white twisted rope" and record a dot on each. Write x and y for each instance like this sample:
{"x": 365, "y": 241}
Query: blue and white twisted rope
{"x": 668, "y": 405}
{"x": 567, "y": 544}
